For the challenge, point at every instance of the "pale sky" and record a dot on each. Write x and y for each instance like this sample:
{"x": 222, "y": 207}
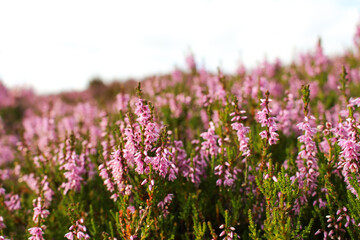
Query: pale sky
{"x": 60, "y": 45}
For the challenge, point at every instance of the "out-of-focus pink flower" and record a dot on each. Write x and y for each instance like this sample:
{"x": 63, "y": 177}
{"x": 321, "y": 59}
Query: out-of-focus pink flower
{"x": 12, "y": 202}
{"x": 39, "y": 210}
{"x": 209, "y": 146}
{"x": 190, "y": 61}
{"x": 36, "y": 233}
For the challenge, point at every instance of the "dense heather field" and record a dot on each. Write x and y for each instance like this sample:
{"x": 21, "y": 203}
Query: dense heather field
{"x": 267, "y": 153}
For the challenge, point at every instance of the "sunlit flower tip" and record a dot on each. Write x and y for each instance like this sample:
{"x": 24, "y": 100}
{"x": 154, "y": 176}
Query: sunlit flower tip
{"x": 82, "y": 228}
{"x": 338, "y": 212}
{"x": 318, "y": 232}
{"x": 232, "y": 228}
{"x": 144, "y": 182}
{"x": 222, "y": 226}
{"x": 274, "y": 178}
{"x": 222, "y": 233}
{"x": 152, "y": 182}
{"x": 69, "y": 236}
{"x": 101, "y": 166}
{"x": 80, "y": 235}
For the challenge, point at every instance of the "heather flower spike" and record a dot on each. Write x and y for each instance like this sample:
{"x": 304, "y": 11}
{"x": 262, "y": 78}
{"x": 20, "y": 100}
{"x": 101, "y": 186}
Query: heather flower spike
{"x": 266, "y": 120}
{"x": 306, "y": 160}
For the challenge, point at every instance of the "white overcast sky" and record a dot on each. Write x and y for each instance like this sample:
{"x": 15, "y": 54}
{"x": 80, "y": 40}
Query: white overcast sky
{"x": 61, "y": 45}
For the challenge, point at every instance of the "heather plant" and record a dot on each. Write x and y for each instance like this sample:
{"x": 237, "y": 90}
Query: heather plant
{"x": 266, "y": 153}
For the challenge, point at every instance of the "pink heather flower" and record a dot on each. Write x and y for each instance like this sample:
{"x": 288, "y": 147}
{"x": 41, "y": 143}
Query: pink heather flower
{"x": 105, "y": 176}
{"x": 350, "y": 148}
{"x": 306, "y": 161}
{"x": 177, "y": 76}
{"x": 267, "y": 121}
{"x": 78, "y": 230}
{"x": 117, "y": 167}
{"x": 190, "y": 61}
{"x": 162, "y": 163}
{"x": 141, "y": 138}
{"x": 48, "y": 192}
{"x": 321, "y": 61}
{"x": 36, "y": 233}
{"x": 197, "y": 165}
{"x": 180, "y": 157}
{"x": 354, "y": 102}
{"x": 12, "y": 202}
{"x": 39, "y": 211}
{"x": 144, "y": 182}
{"x": 250, "y": 87}
{"x": 228, "y": 233}
{"x": 227, "y": 175}
{"x": 73, "y": 173}
{"x": 209, "y": 145}
{"x": 69, "y": 236}
{"x": 241, "y": 131}
{"x": 152, "y": 134}
{"x": 75, "y": 166}
{"x": 175, "y": 103}
{"x": 290, "y": 115}
{"x": 216, "y": 90}
{"x": 309, "y": 147}
{"x": 163, "y": 205}
{"x": 204, "y": 117}
{"x": 143, "y": 112}
{"x": 241, "y": 69}
{"x": 122, "y": 101}
{"x": 132, "y": 138}
{"x": 32, "y": 182}
{"x": 2, "y": 224}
